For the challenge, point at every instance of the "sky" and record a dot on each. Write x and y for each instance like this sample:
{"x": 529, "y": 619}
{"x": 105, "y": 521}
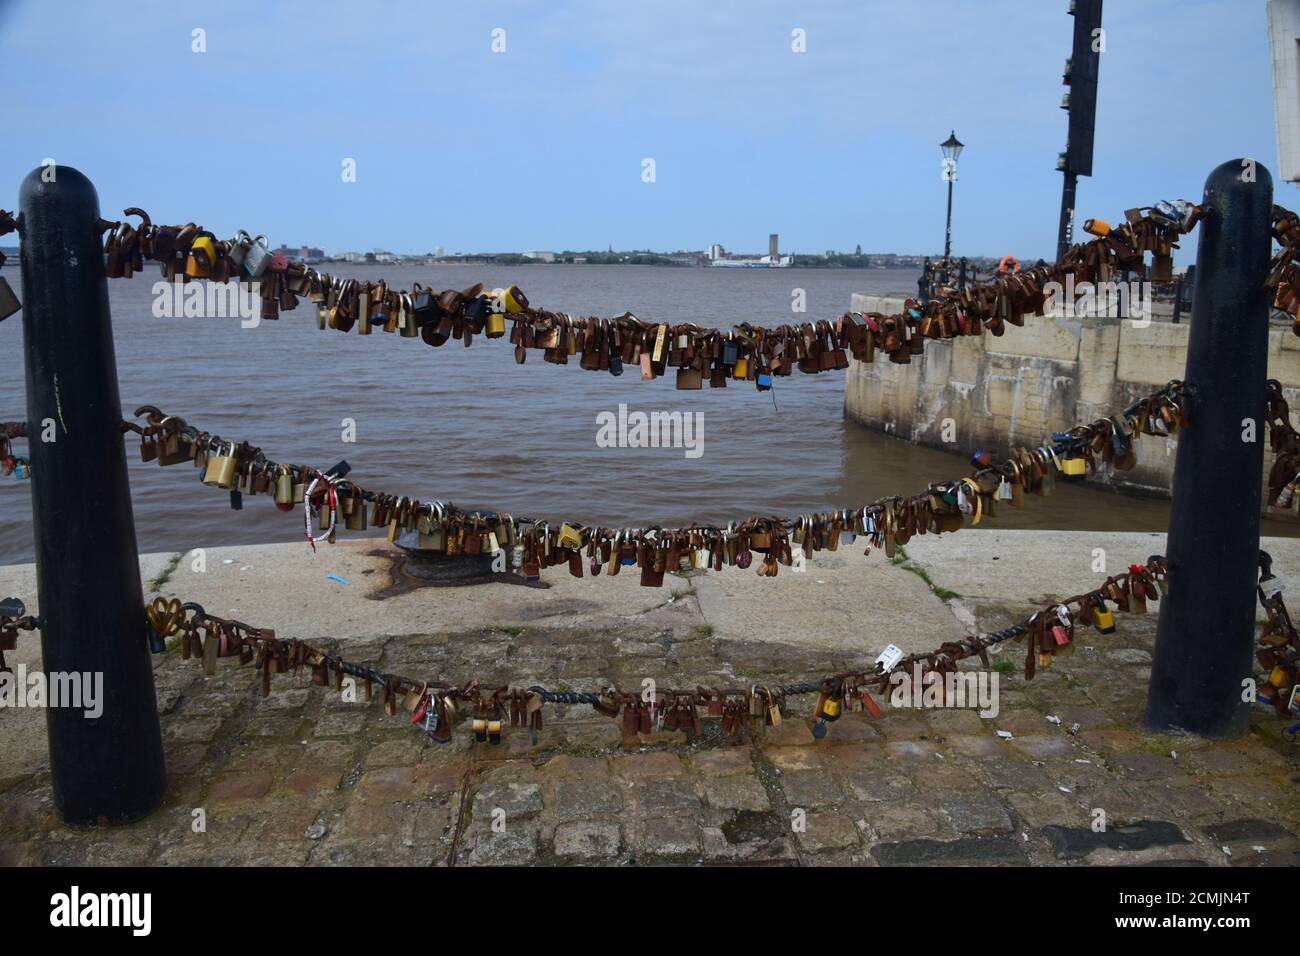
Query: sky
{"x": 542, "y": 145}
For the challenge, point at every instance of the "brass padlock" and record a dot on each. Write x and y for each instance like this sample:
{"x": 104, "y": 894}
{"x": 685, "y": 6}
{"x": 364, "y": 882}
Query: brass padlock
{"x": 173, "y": 448}
{"x": 355, "y": 519}
{"x": 221, "y": 469}
{"x": 284, "y": 488}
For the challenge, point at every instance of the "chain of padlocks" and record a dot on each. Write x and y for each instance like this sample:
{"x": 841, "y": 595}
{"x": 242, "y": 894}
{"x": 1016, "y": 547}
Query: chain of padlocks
{"x": 746, "y": 352}
{"x": 436, "y": 706}
{"x": 330, "y": 499}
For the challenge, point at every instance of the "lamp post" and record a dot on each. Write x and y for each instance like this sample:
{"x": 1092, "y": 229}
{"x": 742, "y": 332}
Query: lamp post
{"x": 951, "y": 147}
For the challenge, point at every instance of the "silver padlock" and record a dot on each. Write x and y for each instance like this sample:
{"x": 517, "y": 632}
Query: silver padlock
{"x": 239, "y": 247}
{"x": 257, "y": 258}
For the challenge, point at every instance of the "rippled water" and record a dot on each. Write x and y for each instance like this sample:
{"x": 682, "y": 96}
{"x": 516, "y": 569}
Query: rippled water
{"x": 470, "y": 426}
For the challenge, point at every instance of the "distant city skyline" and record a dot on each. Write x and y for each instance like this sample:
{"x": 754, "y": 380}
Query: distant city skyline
{"x": 544, "y": 145}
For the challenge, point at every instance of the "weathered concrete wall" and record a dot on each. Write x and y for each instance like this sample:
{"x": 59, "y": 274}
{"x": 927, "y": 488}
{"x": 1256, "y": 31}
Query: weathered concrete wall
{"x": 1051, "y": 374}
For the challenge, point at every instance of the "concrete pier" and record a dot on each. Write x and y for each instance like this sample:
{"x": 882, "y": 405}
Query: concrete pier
{"x": 1049, "y": 375}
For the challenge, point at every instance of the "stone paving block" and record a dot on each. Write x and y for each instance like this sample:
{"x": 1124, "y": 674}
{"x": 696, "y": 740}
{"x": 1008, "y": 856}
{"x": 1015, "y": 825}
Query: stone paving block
{"x": 903, "y": 725}
{"x": 796, "y": 758}
{"x": 246, "y": 786}
{"x": 854, "y": 759}
{"x": 1223, "y": 762}
{"x": 914, "y": 749}
{"x": 669, "y": 836}
{"x": 976, "y": 745}
{"x": 949, "y": 721}
{"x": 827, "y": 831}
{"x": 573, "y": 768}
{"x": 663, "y": 797}
{"x": 1023, "y": 723}
{"x": 404, "y": 783}
{"x": 946, "y": 775}
{"x": 402, "y": 750}
{"x": 303, "y": 783}
{"x": 649, "y": 766}
{"x": 1144, "y": 766}
{"x": 347, "y": 724}
{"x": 791, "y": 733}
{"x": 1044, "y": 747}
{"x": 516, "y": 800}
{"x": 769, "y": 850}
{"x": 1109, "y": 741}
{"x": 901, "y": 821}
{"x": 809, "y": 789}
{"x": 195, "y": 730}
{"x": 720, "y": 763}
{"x": 736, "y": 792}
{"x": 975, "y": 813}
{"x": 515, "y": 846}
{"x": 973, "y": 851}
{"x": 581, "y": 798}
{"x": 1248, "y": 831}
{"x": 588, "y": 840}
{"x": 1040, "y": 809}
{"x": 852, "y": 729}
{"x": 1012, "y": 772}
{"x": 872, "y": 787}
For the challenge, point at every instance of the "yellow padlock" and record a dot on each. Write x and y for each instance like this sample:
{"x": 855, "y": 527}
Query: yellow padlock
{"x": 1097, "y": 227}
{"x": 1073, "y": 467}
{"x": 1105, "y": 620}
{"x": 496, "y": 325}
{"x": 1279, "y": 677}
{"x": 569, "y": 537}
{"x": 512, "y": 299}
{"x": 742, "y": 368}
{"x": 201, "y": 258}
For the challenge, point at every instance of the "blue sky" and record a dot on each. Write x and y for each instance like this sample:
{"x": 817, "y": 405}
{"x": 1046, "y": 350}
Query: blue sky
{"x": 541, "y": 147}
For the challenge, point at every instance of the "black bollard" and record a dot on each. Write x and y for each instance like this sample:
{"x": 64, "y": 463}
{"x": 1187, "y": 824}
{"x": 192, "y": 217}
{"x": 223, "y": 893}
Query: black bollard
{"x": 109, "y": 768}
{"x": 1205, "y": 639}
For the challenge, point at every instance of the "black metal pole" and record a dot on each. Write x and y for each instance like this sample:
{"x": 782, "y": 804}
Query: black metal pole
{"x": 1064, "y": 233}
{"x": 1206, "y": 632}
{"x": 108, "y": 768}
{"x": 947, "y": 236}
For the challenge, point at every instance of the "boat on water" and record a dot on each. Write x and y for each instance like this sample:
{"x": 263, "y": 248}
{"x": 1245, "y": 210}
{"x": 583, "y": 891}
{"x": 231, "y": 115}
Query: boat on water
{"x": 766, "y": 262}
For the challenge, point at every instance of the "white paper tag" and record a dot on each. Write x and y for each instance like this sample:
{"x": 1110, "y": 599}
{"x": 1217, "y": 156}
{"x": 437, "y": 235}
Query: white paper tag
{"x": 889, "y": 657}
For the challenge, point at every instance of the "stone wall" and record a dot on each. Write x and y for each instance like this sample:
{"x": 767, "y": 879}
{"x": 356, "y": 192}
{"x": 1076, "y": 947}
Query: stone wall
{"x": 1047, "y": 376}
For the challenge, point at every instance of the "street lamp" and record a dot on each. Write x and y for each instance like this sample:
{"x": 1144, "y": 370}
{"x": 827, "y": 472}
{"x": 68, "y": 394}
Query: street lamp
{"x": 951, "y": 147}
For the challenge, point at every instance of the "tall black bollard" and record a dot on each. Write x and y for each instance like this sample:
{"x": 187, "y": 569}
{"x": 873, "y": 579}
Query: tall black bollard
{"x": 108, "y": 768}
{"x": 1206, "y": 631}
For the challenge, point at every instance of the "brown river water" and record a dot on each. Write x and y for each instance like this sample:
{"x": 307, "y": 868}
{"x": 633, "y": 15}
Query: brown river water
{"x": 472, "y": 427}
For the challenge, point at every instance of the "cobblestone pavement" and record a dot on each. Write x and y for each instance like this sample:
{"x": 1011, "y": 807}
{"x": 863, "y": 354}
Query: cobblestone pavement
{"x": 305, "y": 778}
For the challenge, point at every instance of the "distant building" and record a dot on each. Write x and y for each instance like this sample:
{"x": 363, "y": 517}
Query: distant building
{"x": 771, "y": 245}
{"x": 540, "y": 256}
